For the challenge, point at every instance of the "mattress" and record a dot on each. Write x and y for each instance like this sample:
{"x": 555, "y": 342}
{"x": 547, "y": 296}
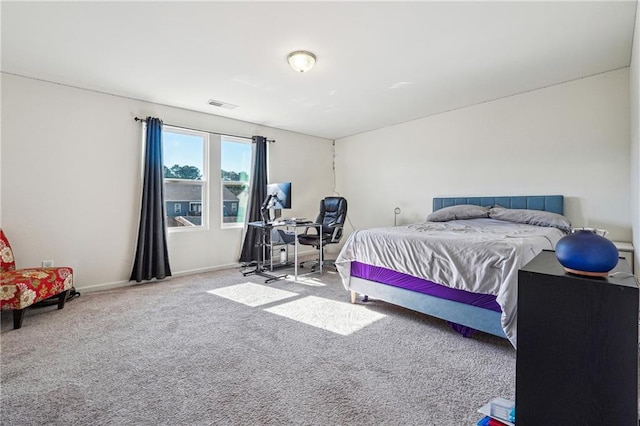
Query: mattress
{"x": 420, "y": 285}
{"x": 479, "y": 256}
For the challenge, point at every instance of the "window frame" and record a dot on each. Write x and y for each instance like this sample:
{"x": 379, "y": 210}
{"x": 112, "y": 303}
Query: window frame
{"x": 203, "y": 181}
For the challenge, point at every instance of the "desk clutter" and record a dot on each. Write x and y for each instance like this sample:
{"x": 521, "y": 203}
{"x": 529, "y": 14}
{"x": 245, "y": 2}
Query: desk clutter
{"x": 291, "y": 221}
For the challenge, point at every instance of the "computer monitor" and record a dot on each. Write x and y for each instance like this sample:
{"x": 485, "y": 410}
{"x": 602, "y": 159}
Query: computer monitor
{"x": 278, "y": 195}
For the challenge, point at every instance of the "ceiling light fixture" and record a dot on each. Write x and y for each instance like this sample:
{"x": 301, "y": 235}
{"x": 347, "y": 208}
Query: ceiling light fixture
{"x": 301, "y": 60}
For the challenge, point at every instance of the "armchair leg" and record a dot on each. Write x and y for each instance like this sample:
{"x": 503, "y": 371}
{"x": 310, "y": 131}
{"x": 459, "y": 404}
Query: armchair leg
{"x": 62, "y": 297}
{"x": 18, "y": 316}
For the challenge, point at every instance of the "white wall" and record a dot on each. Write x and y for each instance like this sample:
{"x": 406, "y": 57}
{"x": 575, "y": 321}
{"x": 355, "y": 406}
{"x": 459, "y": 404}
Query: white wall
{"x": 570, "y": 139}
{"x": 71, "y": 180}
{"x": 634, "y": 84}
{"x": 70, "y": 168}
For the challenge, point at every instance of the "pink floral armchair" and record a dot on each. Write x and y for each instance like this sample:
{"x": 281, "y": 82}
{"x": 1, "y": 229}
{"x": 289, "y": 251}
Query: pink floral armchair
{"x": 21, "y": 288}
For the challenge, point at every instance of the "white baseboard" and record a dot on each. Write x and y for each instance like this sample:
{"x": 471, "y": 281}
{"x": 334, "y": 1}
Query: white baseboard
{"x": 120, "y": 284}
{"x": 103, "y": 286}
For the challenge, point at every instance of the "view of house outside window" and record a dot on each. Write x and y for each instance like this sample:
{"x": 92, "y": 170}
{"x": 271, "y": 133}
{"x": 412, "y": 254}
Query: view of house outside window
{"x": 235, "y": 178}
{"x": 185, "y": 177}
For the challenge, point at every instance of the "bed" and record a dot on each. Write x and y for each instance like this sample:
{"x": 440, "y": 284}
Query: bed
{"x": 462, "y": 269}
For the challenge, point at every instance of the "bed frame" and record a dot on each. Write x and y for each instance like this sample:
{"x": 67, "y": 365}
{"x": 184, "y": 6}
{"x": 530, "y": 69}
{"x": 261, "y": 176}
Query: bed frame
{"x": 475, "y": 317}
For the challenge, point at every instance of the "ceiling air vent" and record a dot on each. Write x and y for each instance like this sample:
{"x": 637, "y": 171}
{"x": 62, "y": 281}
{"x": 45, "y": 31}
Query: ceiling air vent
{"x": 221, "y": 104}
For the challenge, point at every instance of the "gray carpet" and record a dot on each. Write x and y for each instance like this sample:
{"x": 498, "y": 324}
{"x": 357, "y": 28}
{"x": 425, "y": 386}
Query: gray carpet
{"x": 172, "y": 353}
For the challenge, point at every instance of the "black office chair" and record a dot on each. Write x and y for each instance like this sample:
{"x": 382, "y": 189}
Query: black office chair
{"x": 332, "y": 216}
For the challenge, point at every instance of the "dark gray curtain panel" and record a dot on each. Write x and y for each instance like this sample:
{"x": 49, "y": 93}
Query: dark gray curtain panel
{"x": 250, "y": 248}
{"x": 152, "y": 257}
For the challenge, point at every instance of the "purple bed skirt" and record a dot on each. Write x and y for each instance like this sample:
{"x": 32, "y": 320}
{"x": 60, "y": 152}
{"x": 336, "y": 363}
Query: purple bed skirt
{"x": 408, "y": 282}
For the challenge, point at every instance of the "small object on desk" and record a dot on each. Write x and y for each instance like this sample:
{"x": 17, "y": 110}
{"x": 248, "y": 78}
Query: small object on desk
{"x": 297, "y": 220}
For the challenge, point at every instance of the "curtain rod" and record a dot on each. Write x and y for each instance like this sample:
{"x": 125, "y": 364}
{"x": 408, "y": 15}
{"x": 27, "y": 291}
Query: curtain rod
{"x": 206, "y": 131}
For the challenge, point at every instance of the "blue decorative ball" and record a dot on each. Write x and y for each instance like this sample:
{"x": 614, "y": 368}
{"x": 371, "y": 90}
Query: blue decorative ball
{"x": 587, "y": 253}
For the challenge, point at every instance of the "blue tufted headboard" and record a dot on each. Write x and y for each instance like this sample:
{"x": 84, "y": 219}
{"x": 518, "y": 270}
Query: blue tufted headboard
{"x": 549, "y": 203}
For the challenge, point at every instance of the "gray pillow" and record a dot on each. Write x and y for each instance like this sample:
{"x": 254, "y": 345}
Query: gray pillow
{"x": 461, "y": 211}
{"x": 531, "y": 217}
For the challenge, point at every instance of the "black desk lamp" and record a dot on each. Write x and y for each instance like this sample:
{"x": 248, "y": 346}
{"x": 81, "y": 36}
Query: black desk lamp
{"x": 266, "y": 205}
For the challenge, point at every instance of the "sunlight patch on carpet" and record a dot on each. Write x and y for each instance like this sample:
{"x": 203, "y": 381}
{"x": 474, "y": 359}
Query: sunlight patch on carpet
{"x": 311, "y": 280}
{"x": 337, "y": 317}
{"x": 252, "y": 294}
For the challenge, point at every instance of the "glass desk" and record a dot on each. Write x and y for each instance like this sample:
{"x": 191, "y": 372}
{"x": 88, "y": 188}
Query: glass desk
{"x": 265, "y": 229}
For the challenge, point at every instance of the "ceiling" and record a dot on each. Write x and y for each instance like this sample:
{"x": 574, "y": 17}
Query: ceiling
{"x": 379, "y": 63}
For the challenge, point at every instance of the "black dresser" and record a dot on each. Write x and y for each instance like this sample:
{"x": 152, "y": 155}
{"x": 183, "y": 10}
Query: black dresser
{"x": 577, "y": 356}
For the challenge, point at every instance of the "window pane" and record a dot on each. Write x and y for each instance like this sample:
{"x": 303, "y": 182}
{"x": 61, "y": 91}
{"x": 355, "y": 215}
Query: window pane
{"x": 184, "y": 204}
{"x": 182, "y": 155}
{"x": 236, "y": 166}
{"x": 185, "y": 173}
{"x": 234, "y": 201}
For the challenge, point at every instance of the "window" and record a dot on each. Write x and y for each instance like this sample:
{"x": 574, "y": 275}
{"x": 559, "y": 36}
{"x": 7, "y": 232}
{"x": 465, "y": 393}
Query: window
{"x": 185, "y": 156}
{"x": 235, "y": 165}
{"x": 195, "y": 208}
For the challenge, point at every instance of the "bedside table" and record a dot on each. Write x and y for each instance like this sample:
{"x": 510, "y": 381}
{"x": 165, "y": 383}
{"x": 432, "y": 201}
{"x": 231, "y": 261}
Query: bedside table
{"x": 625, "y": 250}
{"x": 577, "y": 357}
